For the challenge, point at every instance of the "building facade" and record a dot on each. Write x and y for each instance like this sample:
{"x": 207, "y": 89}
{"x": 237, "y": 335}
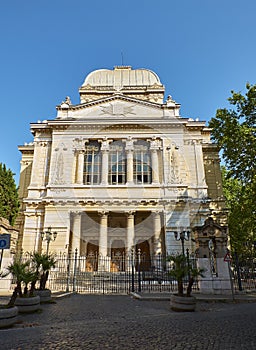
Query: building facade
{"x": 121, "y": 170}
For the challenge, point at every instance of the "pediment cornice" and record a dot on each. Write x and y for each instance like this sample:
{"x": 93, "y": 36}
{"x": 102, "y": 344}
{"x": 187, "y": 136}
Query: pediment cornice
{"x": 115, "y": 97}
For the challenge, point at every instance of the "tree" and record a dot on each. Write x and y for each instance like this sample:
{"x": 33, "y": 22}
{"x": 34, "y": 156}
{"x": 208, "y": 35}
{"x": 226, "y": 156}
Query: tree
{"x": 180, "y": 270}
{"x": 24, "y": 275}
{"x": 43, "y": 263}
{"x": 234, "y": 130}
{"x": 9, "y": 200}
{"x": 242, "y": 223}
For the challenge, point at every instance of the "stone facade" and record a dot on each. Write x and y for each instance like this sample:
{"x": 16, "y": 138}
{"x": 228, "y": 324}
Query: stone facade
{"x": 120, "y": 170}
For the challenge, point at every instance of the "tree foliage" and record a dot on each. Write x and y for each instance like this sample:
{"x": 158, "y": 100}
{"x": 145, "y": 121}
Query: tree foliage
{"x": 9, "y": 201}
{"x": 182, "y": 269}
{"x": 234, "y": 130}
{"x": 242, "y": 219}
{"x": 43, "y": 263}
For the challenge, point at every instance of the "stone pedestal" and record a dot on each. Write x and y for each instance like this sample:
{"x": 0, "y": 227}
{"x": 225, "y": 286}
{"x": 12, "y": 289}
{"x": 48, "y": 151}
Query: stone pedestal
{"x": 211, "y": 241}
{"x": 217, "y": 284}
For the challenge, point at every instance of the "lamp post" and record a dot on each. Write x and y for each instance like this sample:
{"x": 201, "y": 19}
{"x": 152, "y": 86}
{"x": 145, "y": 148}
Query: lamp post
{"x": 182, "y": 236}
{"x": 48, "y": 236}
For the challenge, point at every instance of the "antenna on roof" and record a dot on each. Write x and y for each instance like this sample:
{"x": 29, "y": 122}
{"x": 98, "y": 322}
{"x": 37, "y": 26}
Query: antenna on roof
{"x": 122, "y": 57}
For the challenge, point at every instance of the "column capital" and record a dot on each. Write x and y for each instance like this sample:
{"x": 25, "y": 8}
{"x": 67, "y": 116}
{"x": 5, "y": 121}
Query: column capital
{"x": 79, "y": 143}
{"x": 130, "y": 213}
{"x": 129, "y": 146}
{"x": 105, "y": 143}
{"x": 103, "y": 212}
{"x": 155, "y": 143}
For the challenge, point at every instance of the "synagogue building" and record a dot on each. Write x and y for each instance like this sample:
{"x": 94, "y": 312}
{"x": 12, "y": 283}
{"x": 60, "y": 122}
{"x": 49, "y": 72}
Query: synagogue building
{"x": 121, "y": 170}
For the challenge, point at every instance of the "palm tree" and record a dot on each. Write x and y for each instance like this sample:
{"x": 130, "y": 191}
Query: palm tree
{"x": 24, "y": 274}
{"x": 43, "y": 263}
{"x": 180, "y": 270}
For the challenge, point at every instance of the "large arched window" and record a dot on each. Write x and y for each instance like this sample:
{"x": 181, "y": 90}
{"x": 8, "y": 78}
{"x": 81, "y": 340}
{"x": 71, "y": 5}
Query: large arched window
{"x": 92, "y": 163}
{"x": 142, "y": 172}
{"x": 117, "y": 163}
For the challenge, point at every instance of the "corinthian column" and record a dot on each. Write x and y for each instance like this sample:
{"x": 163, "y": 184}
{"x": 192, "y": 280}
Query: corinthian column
{"x": 103, "y": 239}
{"x": 129, "y": 157}
{"x": 104, "y": 160}
{"x": 76, "y": 232}
{"x": 104, "y": 167}
{"x": 155, "y": 170}
{"x": 130, "y": 231}
{"x": 103, "y": 260}
{"x": 80, "y": 166}
{"x": 154, "y": 147}
{"x": 157, "y": 233}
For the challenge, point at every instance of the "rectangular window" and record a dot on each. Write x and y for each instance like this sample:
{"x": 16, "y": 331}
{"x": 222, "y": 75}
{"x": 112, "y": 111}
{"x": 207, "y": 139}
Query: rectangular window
{"x": 117, "y": 164}
{"x": 92, "y": 164}
{"x": 142, "y": 172}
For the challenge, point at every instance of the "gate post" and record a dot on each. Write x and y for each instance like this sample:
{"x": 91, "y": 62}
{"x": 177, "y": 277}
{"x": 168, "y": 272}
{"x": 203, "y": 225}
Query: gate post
{"x": 75, "y": 271}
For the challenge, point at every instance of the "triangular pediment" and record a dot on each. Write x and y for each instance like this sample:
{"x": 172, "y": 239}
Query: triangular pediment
{"x": 116, "y": 107}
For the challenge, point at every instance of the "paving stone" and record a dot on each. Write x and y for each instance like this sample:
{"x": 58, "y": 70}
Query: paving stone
{"x": 121, "y": 322}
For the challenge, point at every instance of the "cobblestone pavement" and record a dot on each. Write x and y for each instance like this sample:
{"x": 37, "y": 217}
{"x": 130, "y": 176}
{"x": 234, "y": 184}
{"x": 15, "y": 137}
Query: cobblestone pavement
{"x": 120, "y": 322}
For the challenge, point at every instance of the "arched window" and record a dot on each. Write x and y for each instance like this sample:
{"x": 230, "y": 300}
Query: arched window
{"x": 142, "y": 172}
{"x": 117, "y": 163}
{"x": 92, "y": 163}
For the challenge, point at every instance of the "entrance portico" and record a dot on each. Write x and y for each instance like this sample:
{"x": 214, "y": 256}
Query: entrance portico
{"x": 108, "y": 234}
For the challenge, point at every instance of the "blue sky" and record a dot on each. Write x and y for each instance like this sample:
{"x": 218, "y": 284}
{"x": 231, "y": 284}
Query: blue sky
{"x": 200, "y": 49}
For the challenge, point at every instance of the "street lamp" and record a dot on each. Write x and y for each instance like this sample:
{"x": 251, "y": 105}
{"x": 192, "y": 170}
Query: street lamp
{"x": 182, "y": 236}
{"x": 48, "y": 236}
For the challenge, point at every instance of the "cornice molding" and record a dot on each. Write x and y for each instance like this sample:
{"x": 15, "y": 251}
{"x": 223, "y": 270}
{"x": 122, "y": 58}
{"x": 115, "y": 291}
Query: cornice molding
{"x": 115, "y": 97}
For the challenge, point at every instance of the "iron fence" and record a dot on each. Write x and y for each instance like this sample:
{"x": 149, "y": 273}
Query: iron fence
{"x": 105, "y": 275}
{"x": 123, "y": 274}
{"x": 243, "y": 272}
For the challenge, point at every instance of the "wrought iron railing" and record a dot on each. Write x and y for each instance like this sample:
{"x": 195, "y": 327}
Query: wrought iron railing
{"x": 88, "y": 274}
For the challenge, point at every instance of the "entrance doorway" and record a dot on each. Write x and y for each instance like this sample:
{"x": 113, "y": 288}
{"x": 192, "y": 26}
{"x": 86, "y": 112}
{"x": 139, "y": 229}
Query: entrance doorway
{"x": 145, "y": 261}
{"x": 92, "y": 257}
{"x": 117, "y": 256}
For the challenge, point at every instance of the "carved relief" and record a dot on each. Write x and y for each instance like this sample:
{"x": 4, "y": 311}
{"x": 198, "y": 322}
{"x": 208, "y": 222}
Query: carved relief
{"x": 117, "y": 109}
{"x": 59, "y": 165}
{"x": 174, "y": 165}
